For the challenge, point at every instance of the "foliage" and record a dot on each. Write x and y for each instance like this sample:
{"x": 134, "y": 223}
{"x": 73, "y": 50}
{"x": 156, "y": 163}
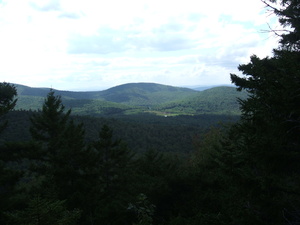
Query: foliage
{"x": 49, "y": 125}
{"x": 8, "y": 177}
{"x": 165, "y": 134}
{"x": 267, "y": 138}
{"x": 112, "y": 172}
{"x": 8, "y": 93}
{"x": 29, "y": 102}
{"x": 143, "y": 209}
{"x": 44, "y": 212}
{"x": 288, "y": 14}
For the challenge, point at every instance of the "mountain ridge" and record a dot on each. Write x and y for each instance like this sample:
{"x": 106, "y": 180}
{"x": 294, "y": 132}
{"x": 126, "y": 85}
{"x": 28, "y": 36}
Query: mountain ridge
{"x": 24, "y": 88}
{"x": 136, "y": 94}
{"x": 137, "y": 98}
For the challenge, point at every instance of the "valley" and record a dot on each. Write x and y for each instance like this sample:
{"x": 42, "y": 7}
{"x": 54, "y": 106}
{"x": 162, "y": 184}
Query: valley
{"x": 144, "y": 115}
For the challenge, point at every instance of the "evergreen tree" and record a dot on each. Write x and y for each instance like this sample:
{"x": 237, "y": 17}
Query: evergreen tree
{"x": 288, "y": 14}
{"x": 267, "y": 138}
{"x": 50, "y": 124}
{"x": 8, "y": 100}
{"x": 8, "y": 92}
{"x": 8, "y": 176}
{"x": 42, "y": 211}
{"x": 113, "y": 171}
{"x": 64, "y": 158}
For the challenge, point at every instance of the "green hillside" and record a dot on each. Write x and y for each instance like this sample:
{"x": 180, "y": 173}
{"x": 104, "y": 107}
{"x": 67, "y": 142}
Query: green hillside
{"x": 218, "y": 100}
{"x": 146, "y": 94}
{"x": 133, "y": 93}
{"x": 136, "y": 98}
{"x": 97, "y": 107}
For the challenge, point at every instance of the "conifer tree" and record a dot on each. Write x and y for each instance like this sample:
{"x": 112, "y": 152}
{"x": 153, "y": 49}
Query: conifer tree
{"x": 112, "y": 194}
{"x": 268, "y": 134}
{"x": 64, "y": 157}
{"x": 8, "y": 100}
{"x": 41, "y": 211}
{"x": 8, "y": 176}
{"x": 288, "y": 14}
{"x": 50, "y": 124}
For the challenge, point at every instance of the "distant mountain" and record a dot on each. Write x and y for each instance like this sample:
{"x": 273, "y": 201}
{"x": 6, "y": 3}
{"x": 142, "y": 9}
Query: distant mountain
{"x": 135, "y": 98}
{"x": 145, "y": 94}
{"x": 42, "y": 92}
{"x": 137, "y": 94}
{"x": 217, "y": 100}
{"x": 132, "y": 93}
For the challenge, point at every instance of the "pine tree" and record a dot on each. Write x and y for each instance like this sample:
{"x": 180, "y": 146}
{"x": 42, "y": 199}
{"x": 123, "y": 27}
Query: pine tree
{"x": 8, "y": 92}
{"x": 268, "y": 134}
{"x": 49, "y": 125}
{"x": 113, "y": 164}
{"x": 8, "y": 100}
{"x": 41, "y": 211}
{"x": 64, "y": 158}
{"x": 8, "y": 176}
{"x": 288, "y": 14}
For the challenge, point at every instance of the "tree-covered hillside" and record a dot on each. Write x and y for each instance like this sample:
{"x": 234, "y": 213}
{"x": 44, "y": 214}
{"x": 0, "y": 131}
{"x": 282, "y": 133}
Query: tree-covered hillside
{"x": 146, "y": 94}
{"x": 132, "y": 93}
{"x": 218, "y": 100}
{"x": 139, "y": 98}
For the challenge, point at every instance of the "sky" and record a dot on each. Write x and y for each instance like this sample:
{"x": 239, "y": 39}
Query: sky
{"x": 95, "y": 44}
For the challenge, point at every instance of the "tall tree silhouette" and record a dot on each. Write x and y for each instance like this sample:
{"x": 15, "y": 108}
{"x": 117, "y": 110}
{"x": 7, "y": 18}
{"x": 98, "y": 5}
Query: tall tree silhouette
{"x": 64, "y": 156}
{"x": 8, "y": 93}
{"x": 270, "y": 125}
{"x": 113, "y": 167}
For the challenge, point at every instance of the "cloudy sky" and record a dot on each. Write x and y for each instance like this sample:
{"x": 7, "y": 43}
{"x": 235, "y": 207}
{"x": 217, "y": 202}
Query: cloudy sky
{"x": 95, "y": 44}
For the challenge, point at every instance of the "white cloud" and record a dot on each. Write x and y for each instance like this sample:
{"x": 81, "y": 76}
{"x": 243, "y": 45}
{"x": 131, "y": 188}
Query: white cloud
{"x": 97, "y": 44}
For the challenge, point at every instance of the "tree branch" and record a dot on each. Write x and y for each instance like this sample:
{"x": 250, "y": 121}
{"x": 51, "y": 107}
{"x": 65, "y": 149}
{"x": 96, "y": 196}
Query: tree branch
{"x": 270, "y": 6}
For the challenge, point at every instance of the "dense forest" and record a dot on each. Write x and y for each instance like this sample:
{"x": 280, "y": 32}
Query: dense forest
{"x": 61, "y": 168}
{"x": 140, "y": 131}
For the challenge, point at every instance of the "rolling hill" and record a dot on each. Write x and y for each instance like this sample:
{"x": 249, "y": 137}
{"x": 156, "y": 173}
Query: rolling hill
{"x": 217, "y": 100}
{"x": 132, "y": 93}
{"x": 145, "y": 94}
{"x": 144, "y": 115}
{"x": 135, "y": 98}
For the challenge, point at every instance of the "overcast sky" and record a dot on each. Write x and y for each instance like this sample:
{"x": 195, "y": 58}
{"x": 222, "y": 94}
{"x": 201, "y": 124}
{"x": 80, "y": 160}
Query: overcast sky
{"x": 95, "y": 44}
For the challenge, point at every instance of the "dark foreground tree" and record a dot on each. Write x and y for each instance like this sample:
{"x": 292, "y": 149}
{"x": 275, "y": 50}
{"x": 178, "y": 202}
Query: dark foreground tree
{"x": 113, "y": 178}
{"x": 288, "y": 14}
{"x": 41, "y": 211}
{"x": 49, "y": 126}
{"x": 64, "y": 159}
{"x": 267, "y": 138}
{"x": 8, "y": 100}
{"x": 8, "y": 176}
